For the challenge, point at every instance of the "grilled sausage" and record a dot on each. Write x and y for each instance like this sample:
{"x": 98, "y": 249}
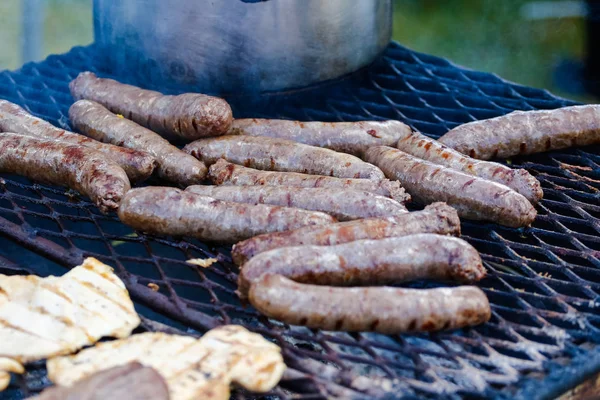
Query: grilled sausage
{"x": 375, "y": 262}
{"x": 380, "y": 309}
{"x": 521, "y": 181}
{"x": 189, "y": 116}
{"x": 281, "y": 155}
{"x": 527, "y": 132}
{"x": 170, "y": 211}
{"x": 347, "y": 137}
{"x": 473, "y": 197}
{"x": 435, "y": 218}
{"x": 343, "y": 204}
{"x": 226, "y": 173}
{"x": 77, "y": 167}
{"x": 99, "y": 123}
{"x": 138, "y": 165}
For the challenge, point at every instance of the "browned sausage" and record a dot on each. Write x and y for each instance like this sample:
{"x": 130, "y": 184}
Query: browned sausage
{"x": 281, "y": 155}
{"x": 138, "y": 165}
{"x": 372, "y": 262}
{"x": 225, "y": 173}
{"x": 189, "y": 116}
{"x": 77, "y": 167}
{"x": 519, "y": 180}
{"x": 343, "y": 204}
{"x": 380, "y": 309}
{"x": 436, "y": 218}
{"x": 170, "y": 211}
{"x": 473, "y": 197}
{"x": 527, "y": 132}
{"x": 99, "y": 123}
{"x": 347, "y": 137}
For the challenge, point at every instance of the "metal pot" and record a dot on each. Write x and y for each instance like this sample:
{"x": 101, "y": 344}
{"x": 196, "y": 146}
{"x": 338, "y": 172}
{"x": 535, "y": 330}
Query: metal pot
{"x": 236, "y": 46}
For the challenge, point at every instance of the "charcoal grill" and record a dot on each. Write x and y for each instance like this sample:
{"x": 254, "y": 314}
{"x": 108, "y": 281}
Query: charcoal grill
{"x": 544, "y": 281}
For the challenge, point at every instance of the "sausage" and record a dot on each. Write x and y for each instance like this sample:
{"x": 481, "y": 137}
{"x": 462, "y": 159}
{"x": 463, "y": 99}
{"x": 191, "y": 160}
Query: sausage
{"x": 376, "y": 262}
{"x": 77, "y": 167}
{"x": 170, "y": 211}
{"x": 189, "y": 116}
{"x": 473, "y": 197}
{"x": 381, "y": 309}
{"x": 99, "y": 123}
{"x": 527, "y": 132}
{"x": 226, "y": 173}
{"x": 281, "y": 155}
{"x": 435, "y": 218}
{"x": 343, "y": 204}
{"x": 138, "y": 165}
{"x": 346, "y": 137}
{"x": 519, "y": 180}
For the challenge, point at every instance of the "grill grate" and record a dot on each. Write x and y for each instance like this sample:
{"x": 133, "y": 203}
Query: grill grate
{"x": 544, "y": 281}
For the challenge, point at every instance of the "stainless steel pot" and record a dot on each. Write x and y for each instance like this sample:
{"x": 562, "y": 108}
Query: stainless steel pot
{"x": 237, "y": 46}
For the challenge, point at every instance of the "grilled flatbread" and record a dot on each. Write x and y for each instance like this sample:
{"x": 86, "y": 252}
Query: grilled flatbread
{"x": 193, "y": 368}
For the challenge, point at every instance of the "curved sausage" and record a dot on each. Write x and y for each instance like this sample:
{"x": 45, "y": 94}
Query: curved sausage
{"x": 521, "y": 181}
{"x": 527, "y": 132}
{"x": 170, "y": 211}
{"x": 99, "y": 123}
{"x": 226, "y": 173}
{"x": 375, "y": 262}
{"x": 281, "y": 155}
{"x": 473, "y": 197}
{"x": 343, "y": 204}
{"x": 381, "y": 309}
{"x": 435, "y": 218}
{"x": 137, "y": 164}
{"x": 77, "y": 167}
{"x": 346, "y": 137}
{"x": 189, "y": 116}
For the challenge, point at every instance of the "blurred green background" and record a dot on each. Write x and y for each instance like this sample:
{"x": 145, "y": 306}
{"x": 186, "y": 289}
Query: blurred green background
{"x": 487, "y": 35}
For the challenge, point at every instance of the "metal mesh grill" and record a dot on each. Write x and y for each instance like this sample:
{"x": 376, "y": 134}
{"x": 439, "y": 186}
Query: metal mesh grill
{"x": 544, "y": 281}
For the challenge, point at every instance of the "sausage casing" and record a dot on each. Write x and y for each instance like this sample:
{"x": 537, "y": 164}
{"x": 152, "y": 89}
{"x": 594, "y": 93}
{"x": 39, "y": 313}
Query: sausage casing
{"x": 473, "y": 197}
{"x": 281, "y": 155}
{"x": 343, "y": 204}
{"x": 77, "y": 167}
{"x": 170, "y": 211}
{"x": 381, "y": 309}
{"x": 225, "y": 173}
{"x": 382, "y": 261}
{"x": 435, "y": 218}
{"x": 99, "y": 123}
{"x": 189, "y": 116}
{"x": 521, "y": 181}
{"x": 527, "y": 132}
{"x": 137, "y": 164}
{"x": 346, "y": 137}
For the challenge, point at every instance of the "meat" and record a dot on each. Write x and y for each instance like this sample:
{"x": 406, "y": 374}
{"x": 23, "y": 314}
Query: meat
{"x": 436, "y": 218}
{"x": 226, "y": 173}
{"x": 189, "y": 116}
{"x": 473, "y": 197}
{"x": 527, "y": 132}
{"x": 46, "y": 317}
{"x": 343, "y": 204}
{"x": 137, "y": 164}
{"x": 193, "y": 368}
{"x": 519, "y": 180}
{"x": 347, "y": 137}
{"x": 99, "y": 123}
{"x": 382, "y": 261}
{"x": 131, "y": 381}
{"x": 281, "y": 155}
{"x": 77, "y": 167}
{"x": 169, "y": 211}
{"x": 380, "y": 309}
